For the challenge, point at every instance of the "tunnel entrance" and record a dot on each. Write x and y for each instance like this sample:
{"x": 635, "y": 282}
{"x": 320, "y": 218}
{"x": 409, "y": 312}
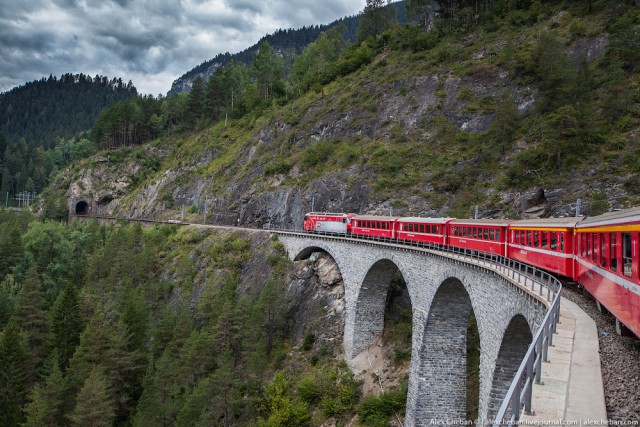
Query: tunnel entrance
{"x": 82, "y": 208}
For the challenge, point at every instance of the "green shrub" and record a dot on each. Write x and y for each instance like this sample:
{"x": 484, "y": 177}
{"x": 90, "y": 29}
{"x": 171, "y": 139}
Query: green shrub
{"x": 316, "y": 153}
{"x": 278, "y": 166}
{"x": 376, "y": 411}
{"x": 308, "y": 341}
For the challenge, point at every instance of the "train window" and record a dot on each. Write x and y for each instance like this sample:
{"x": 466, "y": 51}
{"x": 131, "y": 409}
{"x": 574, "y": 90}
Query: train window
{"x": 562, "y": 241}
{"x": 492, "y": 234}
{"x": 553, "y": 240}
{"x": 603, "y": 250}
{"x": 498, "y": 235}
{"x": 536, "y": 239}
{"x": 486, "y": 234}
{"x": 626, "y": 254}
{"x": 596, "y": 248}
{"x": 545, "y": 239}
{"x": 613, "y": 252}
{"x": 434, "y": 229}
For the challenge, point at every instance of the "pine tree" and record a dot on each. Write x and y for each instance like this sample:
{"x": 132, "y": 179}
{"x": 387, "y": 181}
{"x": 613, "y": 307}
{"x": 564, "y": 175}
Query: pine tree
{"x": 125, "y": 368}
{"x": 94, "y": 406}
{"x": 267, "y": 70}
{"x": 375, "y": 18}
{"x": 420, "y": 11}
{"x": 14, "y": 375}
{"x": 30, "y": 313}
{"x": 66, "y": 324}
{"x": 45, "y": 406}
{"x": 92, "y": 350}
{"x": 196, "y": 103}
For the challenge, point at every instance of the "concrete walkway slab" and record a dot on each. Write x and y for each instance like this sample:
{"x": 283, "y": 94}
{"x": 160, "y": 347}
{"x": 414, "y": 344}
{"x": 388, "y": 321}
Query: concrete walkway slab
{"x": 572, "y": 391}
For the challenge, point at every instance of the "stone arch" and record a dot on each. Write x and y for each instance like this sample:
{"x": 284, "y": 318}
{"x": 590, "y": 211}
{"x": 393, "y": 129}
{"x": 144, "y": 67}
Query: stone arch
{"x": 82, "y": 208}
{"x": 306, "y": 252}
{"x": 442, "y": 360}
{"x": 515, "y": 343}
{"x": 370, "y": 303}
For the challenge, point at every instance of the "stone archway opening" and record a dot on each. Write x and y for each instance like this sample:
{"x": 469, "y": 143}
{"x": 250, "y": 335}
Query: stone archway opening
{"x": 383, "y": 333}
{"x": 448, "y": 363}
{"x": 515, "y": 343}
{"x": 318, "y": 317}
{"x": 82, "y": 208}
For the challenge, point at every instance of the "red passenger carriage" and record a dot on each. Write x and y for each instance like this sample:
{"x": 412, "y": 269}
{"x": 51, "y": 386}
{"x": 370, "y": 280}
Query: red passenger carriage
{"x": 607, "y": 264}
{"x": 483, "y": 235}
{"x": 546, "y": 243}
{"x": 382, "y": 227}
{"x": 424, "y": 230}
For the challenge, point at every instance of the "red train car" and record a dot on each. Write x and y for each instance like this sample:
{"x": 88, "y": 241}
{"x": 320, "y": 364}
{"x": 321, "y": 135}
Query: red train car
{"x": 326, "y": 222}
{"x": 546, "y": 243}
{"x": 424, "y": 230}
{"x": 383, "y": 227}
{"x": 607, "y": 264}
{"x": 483, "y": 235}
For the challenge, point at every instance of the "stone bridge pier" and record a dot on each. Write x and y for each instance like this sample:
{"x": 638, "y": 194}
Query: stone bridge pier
{"x": 443, "y": 292}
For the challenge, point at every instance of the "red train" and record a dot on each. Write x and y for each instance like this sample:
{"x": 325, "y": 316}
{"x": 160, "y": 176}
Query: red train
{"x": 602, "y": 253}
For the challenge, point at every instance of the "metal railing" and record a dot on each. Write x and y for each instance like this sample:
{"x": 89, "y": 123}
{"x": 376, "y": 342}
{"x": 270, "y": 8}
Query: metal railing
{"x": 540, "y": 282}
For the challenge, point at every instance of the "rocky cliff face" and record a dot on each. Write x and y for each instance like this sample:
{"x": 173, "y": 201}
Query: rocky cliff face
{"x": 381, "y": 108}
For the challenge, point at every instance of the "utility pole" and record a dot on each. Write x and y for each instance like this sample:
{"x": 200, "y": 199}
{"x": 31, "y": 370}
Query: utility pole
{"x": 578, "y": 206}
{"x": 313, "y": 201}
{"x": 182, "y": 213}
{"x": 475, "y": 216}
{"x": 206, "y": 201}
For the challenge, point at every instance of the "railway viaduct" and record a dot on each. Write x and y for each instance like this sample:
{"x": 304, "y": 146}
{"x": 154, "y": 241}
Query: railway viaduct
{"x": 443, "y": 291}
{"x": 443, "y": 288}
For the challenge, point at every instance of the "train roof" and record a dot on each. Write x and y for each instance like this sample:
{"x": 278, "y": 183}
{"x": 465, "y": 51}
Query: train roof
{"x": 424, "y": 220}
{"x": 568, "y": 222}
{"x": 487, "y": 221}
{"x": 617, "y": 217}
{"x": 326, "y": 213}
{"x": 375, "y": 217}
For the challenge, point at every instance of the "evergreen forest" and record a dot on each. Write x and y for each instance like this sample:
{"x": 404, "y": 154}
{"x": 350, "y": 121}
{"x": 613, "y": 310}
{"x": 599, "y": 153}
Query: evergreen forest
{"x": 123, "y": 325}
{"x": 43, "y": 125}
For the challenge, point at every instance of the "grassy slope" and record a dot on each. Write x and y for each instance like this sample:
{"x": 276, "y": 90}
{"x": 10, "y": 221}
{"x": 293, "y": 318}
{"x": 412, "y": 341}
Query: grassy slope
{"x": 447, "y": 168}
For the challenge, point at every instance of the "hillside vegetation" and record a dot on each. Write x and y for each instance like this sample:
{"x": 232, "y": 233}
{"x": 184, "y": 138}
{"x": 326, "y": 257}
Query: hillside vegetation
{"x": 120, "y": 325}
{"x": 42, "y": 126}
{"x": 521, "y": 107}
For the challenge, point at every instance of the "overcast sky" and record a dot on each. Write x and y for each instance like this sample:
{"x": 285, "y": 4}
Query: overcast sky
{"x": 150, "y": 42}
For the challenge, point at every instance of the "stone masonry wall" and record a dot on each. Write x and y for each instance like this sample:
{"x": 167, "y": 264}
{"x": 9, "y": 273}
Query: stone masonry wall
{"x": 438, "y": 335}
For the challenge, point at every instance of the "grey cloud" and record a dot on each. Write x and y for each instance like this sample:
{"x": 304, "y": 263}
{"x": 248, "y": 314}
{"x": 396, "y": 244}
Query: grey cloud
{"x": 149, "y": 41}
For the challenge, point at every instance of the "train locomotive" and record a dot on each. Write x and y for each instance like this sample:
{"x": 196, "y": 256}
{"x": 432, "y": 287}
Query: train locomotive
{"x": 602, "y": 253}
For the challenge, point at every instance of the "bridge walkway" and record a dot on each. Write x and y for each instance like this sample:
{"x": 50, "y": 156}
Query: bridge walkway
{"x": 572, "y": 392}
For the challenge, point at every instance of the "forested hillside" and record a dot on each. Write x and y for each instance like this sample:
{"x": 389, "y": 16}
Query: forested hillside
{"x": 120, "y": 325}
{"x": 43, "y": 125}
{"x": 288, "y": 43}
{"x": 521, "y": 108}
{"x": 51, "y": 108}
